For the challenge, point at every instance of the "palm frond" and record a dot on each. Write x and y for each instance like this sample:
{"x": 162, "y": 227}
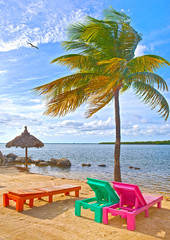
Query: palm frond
{"x": 98, "y": 102}
{"x": 146, "y": 63}
{"x": 129, "y": 39}
{"x": 101, "y": 84}
{"x": 64, "y": 84}
{"x": 101, "y": 95}
{"x": 149, "y": 78}
{"x": 115, "y": 16}
{"x": 114, "y": 66}
{"x": 101, "y": 35}
{"x": 66, "y": 102}
{"x": 74, "y": 61}
{"x": 74, "y": 31}
{"x": 126, "y": 85}
{"x": 114, "y": 40}
{"x": 84, "y": 47}
{"x": 152, "y": 97}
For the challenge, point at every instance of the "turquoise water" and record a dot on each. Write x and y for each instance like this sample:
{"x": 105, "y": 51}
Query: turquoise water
{"x": 153, "y": 161}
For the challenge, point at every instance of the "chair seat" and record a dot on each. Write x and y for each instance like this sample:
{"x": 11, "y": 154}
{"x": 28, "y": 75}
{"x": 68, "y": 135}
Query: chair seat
{"x": 150, "y": 198}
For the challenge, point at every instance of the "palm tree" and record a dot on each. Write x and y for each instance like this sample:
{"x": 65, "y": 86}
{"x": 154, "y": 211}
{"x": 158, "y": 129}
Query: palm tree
{"x": 105, "y": 67}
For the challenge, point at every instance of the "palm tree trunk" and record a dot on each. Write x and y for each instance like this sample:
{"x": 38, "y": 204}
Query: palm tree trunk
{"x": 26, "y": 157}
{"x": 117, "y": 172}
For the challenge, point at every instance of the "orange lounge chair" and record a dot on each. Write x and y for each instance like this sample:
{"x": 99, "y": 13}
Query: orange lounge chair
{"x": 20, "y": 196}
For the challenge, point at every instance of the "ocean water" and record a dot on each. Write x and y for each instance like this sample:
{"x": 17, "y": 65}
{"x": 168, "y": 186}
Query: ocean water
{"x": 153, "y": 161}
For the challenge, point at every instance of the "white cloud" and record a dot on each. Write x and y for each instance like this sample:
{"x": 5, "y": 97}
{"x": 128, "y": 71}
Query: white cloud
{"x": 3, "y": 71}
{"x": 87, "y": 127}
{"x": 13, "y": 106}
{"x": 37, "y": 100}
{"x": 140, "y": 50}
{"x": 12, "y": 60}
{"x": 36, "y": 22}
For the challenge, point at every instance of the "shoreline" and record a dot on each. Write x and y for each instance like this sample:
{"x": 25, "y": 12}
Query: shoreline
{"x": 57, "y": 219}
{"x": 142, "y": 188}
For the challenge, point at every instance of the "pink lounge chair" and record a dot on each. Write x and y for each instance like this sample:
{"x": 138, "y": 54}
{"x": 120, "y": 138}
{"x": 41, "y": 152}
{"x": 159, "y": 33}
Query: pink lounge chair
{"x": 132, "y": 202}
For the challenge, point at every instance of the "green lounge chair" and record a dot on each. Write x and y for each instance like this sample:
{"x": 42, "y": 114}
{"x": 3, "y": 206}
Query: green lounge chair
{"x": 104, "y": 196}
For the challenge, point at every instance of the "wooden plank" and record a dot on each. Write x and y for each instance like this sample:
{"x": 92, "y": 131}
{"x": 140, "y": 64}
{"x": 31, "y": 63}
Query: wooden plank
{"x": 25, "y": 192}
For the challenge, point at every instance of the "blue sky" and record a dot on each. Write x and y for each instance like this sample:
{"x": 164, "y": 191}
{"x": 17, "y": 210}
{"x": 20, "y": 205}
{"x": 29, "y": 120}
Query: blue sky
{"x": 44, "y": 23}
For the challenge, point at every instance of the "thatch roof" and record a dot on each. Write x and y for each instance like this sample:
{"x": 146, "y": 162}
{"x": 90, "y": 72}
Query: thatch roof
{"x": 25, "y": 140}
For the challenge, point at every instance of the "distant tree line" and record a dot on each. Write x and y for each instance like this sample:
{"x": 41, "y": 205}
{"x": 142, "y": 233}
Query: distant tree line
{"x": 167, "y": 142}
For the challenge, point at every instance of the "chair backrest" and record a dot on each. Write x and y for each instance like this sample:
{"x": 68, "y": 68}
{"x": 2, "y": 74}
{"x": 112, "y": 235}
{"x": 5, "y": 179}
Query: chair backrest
{"x": 130, "y": 195}
{"x": 103, "y": 191}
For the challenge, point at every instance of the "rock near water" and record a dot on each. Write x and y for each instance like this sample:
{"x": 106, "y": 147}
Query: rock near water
{"x": 63, "y": 163}
{"x": 86, "y": 165}
{"x": 44, "y": 164}
{"x": 14, "y": 159}
{"x": 11, "y": 156}
{"x": 2, "y": 159}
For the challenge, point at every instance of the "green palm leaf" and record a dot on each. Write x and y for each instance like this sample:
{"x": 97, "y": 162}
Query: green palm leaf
{"x": 74, "y": 61}
{"x": 64, "y": 84}
{"x": 149, "y": 78}
{"x": 79, "y": 45}
{"x": 151, "y": 96}
{"x": 115, "y": 16}
{"x": 66, "y": 102}
{"x": 114, "y": 66}
{"x": 146, "y": 63}
{"x": 99, "y": 103}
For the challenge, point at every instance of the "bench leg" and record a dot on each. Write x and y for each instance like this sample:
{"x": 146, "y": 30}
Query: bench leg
{"x": 50, "y": 198}
{"x": 159, "y": 204}
{"x": 5, "y": 200}
{"x": 31, "y": 203}
{"x": 67, "y": 194}
{"x": 131, "y": 222}
{"x": 19, "y": 204}
{"x": 77, "y": 193}
{"x": 105, "y": 215}
{"x": 147, "y": 213}
{"x": 78, "y": 208}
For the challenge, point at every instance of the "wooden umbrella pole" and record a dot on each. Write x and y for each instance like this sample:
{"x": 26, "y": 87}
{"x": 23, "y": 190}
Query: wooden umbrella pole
{"x": 26, "y": 157}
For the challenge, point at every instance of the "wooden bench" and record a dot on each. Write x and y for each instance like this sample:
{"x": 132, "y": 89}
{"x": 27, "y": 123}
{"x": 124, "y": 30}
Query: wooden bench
{"x": 20, "y": 196}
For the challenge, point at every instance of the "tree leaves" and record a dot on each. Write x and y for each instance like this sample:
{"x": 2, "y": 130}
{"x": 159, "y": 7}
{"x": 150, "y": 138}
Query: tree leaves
{"x": 149, "y": 78}
{"x": 104, "y": 62}
{"x": 146, "y": 63}
{"x": 76, "y": 61}
{"x": 151, "y": 96}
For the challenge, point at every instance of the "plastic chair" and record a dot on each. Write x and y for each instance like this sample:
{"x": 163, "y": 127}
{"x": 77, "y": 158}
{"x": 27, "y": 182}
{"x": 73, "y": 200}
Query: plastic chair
{"x": 132, "y": 202}
{"x": 104, "y": 196}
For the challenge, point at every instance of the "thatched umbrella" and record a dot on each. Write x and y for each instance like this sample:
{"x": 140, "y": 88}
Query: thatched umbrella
{"x": 25, "y": 140}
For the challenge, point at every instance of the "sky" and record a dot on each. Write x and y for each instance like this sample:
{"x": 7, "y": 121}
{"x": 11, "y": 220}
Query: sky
{"x": 22, "y": 68}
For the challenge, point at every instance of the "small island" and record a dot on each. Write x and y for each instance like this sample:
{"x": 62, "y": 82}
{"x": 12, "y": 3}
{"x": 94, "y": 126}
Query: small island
{"x": 166, "y": 142}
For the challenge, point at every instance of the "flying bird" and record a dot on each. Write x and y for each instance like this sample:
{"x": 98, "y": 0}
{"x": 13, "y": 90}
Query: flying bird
{"x": 32, "y": 45}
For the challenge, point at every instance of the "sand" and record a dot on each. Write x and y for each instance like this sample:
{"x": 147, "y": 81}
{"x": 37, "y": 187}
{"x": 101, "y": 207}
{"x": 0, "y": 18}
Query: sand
{"x": 56, "y": 221}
